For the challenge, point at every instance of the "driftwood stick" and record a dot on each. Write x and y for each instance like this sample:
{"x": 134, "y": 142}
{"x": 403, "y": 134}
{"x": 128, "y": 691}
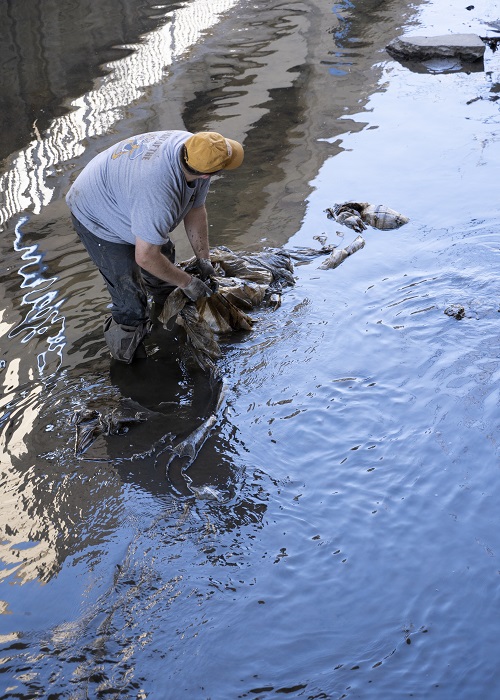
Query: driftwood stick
{"x": 340, "y": 254}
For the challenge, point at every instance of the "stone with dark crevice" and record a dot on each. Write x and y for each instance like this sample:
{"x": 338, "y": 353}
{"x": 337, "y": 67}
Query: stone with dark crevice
{"x": 466, "y": 47}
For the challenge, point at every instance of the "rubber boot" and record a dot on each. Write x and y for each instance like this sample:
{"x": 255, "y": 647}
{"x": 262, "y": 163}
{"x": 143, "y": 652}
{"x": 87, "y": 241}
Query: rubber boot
{"x": 125, "y": 342}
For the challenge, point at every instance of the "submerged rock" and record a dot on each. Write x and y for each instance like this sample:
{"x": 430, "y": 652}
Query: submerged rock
{"x": 467, "y": 47}
{"x": 456, "y": 311}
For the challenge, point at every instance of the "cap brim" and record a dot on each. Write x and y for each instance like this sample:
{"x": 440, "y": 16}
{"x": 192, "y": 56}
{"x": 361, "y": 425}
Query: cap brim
{"x": 237, "y": 155}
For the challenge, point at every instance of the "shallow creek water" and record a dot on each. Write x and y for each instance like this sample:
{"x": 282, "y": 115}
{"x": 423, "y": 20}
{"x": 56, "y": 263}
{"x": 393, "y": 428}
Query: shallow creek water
{"x": 353, "y": 552}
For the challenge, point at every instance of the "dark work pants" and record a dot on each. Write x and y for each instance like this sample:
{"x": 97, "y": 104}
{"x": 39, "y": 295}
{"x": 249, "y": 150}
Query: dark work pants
{"x": 128, "y": 286}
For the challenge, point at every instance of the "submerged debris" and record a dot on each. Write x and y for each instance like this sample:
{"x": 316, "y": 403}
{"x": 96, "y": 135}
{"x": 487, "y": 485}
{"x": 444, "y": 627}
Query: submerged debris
{"x": 185, "y": 452}
{"x": 359, "y": 215}
{"x": 91, "y": 423}
{"x": 190, "y": 446}
{"x": 207, "y": 493}
{"x": 305, "y": 255}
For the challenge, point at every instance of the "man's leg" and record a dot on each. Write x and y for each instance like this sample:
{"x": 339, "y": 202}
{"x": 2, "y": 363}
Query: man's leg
{"x": 128, "y": 324}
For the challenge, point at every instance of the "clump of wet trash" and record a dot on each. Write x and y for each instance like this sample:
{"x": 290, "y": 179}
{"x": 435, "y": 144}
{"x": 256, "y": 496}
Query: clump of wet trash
{"x": 340, "y": 254}
{"x": 244, "y": 281}
{"x": 455, "y": 311}
{"x": 360, "y": 215}
{"x": 241, "y": 283}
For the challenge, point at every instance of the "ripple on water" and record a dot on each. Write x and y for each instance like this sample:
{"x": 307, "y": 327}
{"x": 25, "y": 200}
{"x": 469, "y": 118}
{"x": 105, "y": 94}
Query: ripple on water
{"x": 387, "y": 502}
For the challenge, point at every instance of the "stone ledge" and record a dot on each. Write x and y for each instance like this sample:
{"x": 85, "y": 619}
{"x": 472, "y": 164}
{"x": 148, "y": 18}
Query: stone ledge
{"x": 467, "y": 47}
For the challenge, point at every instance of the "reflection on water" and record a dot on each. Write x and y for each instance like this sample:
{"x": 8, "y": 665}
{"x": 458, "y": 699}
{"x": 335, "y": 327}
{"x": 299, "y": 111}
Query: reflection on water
{"x": 45, "y": 61}
{"x": 43, "y": 315}
{"x": 26, "y": 181}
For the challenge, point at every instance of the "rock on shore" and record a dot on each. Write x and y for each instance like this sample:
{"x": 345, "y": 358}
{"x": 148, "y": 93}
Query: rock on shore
{"x": 467, "y": 47}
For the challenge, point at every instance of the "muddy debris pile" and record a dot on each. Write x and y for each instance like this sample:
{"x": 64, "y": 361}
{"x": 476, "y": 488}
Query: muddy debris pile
{"x": 242, "y": 282}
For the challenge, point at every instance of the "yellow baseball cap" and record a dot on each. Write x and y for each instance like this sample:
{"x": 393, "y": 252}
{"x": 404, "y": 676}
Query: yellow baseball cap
{"x": 208, "y": 151}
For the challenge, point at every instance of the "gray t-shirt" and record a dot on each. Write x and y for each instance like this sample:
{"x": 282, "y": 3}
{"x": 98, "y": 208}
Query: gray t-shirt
{"x": 136, "y": 189}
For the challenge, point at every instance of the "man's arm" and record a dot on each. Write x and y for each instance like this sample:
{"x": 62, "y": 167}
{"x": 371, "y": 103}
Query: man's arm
{"x": 196, "y": 225}
{"x": 151, "y": 259}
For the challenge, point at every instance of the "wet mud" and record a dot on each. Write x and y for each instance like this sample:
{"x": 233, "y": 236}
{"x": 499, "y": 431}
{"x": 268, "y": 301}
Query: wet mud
{"x": 335, "y": 535}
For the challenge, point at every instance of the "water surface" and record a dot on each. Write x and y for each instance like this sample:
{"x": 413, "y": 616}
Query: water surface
{"x": 353, "y": 552}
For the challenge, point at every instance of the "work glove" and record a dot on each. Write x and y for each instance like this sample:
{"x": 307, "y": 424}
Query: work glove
{"x": 196, "y": 289}
{"x": 205, "y": 267}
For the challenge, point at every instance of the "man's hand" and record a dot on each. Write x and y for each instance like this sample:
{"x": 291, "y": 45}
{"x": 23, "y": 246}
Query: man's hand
{"x": 205, "y": 267}
{"x": 196, "y": 289}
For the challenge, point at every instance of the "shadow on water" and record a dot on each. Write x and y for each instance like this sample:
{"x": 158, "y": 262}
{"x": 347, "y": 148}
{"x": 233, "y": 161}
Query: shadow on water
{"x": 110, "y": 527}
